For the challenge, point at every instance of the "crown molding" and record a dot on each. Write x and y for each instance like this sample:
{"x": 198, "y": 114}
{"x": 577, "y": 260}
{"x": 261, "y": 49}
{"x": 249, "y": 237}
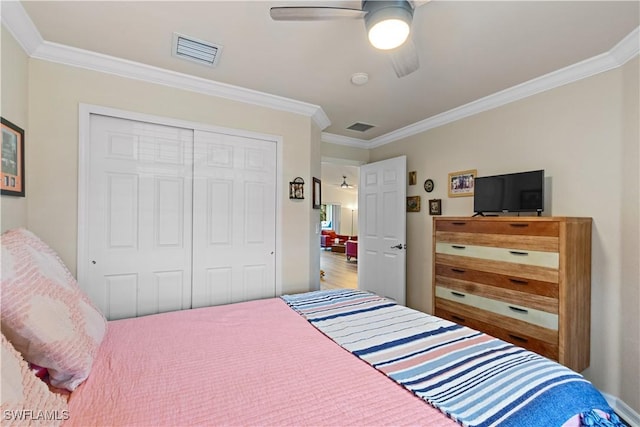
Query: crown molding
{"x": 18, "y": 23}
{"x": 620, "y": 54}
{"x": 21, "y": 27}
{"x": 332, "y": 138}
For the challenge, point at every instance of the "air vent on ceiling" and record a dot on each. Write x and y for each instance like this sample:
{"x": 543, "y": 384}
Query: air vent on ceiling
{"x": 199, "y": 51}
{"x": 360, "y": 127}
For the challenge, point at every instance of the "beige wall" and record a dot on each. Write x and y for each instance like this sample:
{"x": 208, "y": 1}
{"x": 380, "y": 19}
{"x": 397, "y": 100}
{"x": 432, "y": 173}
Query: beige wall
{"x": 585, "y": 136}
{"x": 348, "y": 200}
{"x": 314, "y": 216}
{"x": 14, "y": 108}
{"x": 629, "y": 297}
{"x": 336, "y": 151}
{"x": 55, "y": 91}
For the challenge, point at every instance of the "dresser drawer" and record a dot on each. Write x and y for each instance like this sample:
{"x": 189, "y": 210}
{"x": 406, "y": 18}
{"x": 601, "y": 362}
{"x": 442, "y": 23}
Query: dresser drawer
{"x": 527, "y": 227}
{"x": 534, "y": 243}
{"x": 511, "y": 255}
{"x": 546, "y": 349}
{"x": 520, "y": 295}
{"x": 513, "y": 282}
{"x": 532, "y": 272}
{"x": 534, "y": 316}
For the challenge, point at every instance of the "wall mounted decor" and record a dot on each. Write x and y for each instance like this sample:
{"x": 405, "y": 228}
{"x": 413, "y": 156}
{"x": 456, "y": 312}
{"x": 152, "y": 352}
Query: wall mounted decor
{"x": 429, "y": 185}
{"x": 413, "y": 204}
{"x": 435, "y": 207}
{"x": 413, "y": 177}
{"x": 296, "y": 188}
{"x": 12, "y": 159}
{"x": 461, "y": 183}
{"x": 317, "y": 193}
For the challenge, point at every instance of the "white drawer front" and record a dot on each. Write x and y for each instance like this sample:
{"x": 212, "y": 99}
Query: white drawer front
{"x": 519, "y": 256}
{"x": 530, "y": 315}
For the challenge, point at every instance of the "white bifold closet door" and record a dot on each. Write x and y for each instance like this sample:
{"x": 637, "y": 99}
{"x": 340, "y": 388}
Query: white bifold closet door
{"x": 174, "y": 221}
{"x": 234, "y": 215}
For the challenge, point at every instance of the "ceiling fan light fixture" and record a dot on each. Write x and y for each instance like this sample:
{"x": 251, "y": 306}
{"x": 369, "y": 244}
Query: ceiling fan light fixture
{"x": 344, "y": 182}
{"x": 388, "y": 23}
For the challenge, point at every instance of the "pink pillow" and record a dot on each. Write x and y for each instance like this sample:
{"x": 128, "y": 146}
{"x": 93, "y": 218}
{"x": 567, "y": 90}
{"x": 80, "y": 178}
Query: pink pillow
{"x": 45, "y": 314}
{"x": 26, "y": 400}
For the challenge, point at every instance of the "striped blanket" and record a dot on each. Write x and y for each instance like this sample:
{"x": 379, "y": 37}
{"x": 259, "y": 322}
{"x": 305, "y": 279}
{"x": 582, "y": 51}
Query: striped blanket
{"x": 473, "y": 378}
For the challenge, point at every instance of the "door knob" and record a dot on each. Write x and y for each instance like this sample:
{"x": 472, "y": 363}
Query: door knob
{"x": 398, "y": 246}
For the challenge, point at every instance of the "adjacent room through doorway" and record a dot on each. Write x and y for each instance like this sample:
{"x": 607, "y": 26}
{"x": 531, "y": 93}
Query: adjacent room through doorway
{"x": 339, "y": 225}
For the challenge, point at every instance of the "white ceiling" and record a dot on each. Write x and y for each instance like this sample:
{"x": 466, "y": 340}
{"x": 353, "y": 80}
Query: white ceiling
{"x": 468, "y": 50}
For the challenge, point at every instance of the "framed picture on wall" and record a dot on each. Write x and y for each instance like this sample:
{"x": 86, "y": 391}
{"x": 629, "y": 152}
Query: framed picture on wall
{"x": 12, "y": 159}
{"x": 413, "y": 204}
{"x": 435, "y": 207}
{"x": 413, "y": 177}
{"x": 317, "y": 193}
{"x": 461, "y": 184}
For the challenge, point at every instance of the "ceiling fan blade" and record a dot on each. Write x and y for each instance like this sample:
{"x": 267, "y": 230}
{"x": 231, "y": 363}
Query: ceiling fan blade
{"x": 309, "y": 13}
{"x": 405, "y": 59}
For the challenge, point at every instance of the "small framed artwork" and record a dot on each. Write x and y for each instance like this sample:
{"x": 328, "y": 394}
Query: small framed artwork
{"x": 413, "y": 204}
{"x": 461, "y": 183}
{"x": 12, "y": 159}
{"x": 435, "y": 207}
{"x": 317, "y": 193}
{"x": 413, "y": 177}
{"x": 296, "y": 188}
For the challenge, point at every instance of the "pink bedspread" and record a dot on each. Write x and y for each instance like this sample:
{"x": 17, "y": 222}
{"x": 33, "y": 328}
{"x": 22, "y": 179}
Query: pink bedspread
{"x": 253, "y": 363}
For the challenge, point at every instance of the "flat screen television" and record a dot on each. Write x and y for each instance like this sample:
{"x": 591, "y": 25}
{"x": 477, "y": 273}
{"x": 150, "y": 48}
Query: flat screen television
{"x": 514, "y": 192}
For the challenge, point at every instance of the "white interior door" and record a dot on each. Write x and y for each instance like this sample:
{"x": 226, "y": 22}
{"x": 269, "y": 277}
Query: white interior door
{"x": 139, "y": 217}
{"x": 382, "y": 232}
{"x": 234, "y": 219}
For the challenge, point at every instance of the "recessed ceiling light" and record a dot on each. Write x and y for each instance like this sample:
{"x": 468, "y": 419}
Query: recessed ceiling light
{"x": 359, "y": 79}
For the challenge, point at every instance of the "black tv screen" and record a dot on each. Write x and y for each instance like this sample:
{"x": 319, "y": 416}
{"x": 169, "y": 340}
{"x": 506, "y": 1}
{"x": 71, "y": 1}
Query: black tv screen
{"x": 514, "y": 192}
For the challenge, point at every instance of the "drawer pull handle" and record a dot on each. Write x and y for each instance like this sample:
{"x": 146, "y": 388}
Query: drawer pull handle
{"x": 457, "y": 294}
{"x": 519, "y": 224}
{"x": 458, "y": 223}
{"x": 517, "y": 338}
{"x": 519, "y": 253}
{"x": 458, "y": 318}
{"x": 518, "y": 309}
{"x": 458, "y": 270}
{"x": 458, "y": 247}
{"x": 519, "y": 281}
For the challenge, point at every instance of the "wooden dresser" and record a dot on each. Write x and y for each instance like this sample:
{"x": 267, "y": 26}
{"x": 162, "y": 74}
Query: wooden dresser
{"x": 526, "y": 280}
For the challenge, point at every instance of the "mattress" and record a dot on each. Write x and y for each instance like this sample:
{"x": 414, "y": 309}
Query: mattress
{"x": 252, "y": 363}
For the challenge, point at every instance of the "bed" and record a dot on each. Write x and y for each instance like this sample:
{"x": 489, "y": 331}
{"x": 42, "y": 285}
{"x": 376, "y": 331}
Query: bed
{"x": 342, "y": 357}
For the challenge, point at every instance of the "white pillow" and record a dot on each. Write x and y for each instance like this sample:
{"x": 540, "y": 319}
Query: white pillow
{"x": 45, "y": 314}
{"x": 26, "y": 400}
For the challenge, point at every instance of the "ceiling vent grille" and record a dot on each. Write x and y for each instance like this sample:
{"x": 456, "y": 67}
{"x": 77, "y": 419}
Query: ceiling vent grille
{"x": 195, "y": 50}
{"x": 360, "y": 127}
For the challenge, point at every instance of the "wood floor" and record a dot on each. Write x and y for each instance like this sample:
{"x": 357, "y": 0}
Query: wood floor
{"x": 338, "y": 272}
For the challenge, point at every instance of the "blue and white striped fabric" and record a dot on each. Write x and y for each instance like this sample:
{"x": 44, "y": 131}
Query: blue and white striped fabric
{"x": 475, "y": 379}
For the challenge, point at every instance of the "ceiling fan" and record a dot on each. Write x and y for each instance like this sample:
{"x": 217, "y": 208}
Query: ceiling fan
{"x": 344, "y": 184}
{"x": 388, "y": 25}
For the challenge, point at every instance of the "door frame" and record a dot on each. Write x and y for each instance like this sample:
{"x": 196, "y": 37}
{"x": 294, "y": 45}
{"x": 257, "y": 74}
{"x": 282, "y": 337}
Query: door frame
{"x": 84, "y": 139}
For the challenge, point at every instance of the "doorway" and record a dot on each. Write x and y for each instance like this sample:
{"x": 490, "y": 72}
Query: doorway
{"x": 339, "y": 214}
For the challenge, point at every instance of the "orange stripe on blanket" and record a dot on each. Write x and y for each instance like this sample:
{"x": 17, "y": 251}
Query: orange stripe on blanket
{"x": 415, "y": 361}
{"x": 416, "y": 346}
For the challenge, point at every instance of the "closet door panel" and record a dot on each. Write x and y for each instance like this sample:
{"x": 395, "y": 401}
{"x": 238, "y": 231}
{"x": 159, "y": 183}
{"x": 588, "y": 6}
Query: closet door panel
{"x": 139, "y": 220}
{"x": 233, "y": 219}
